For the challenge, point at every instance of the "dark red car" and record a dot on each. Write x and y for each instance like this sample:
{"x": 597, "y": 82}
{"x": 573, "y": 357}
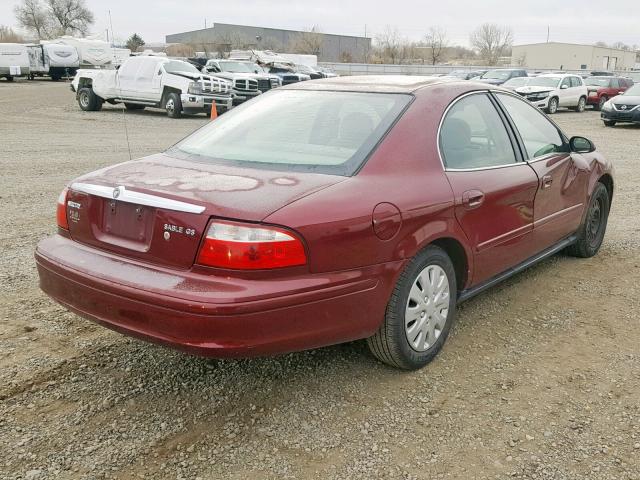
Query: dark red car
{"x": 324, "y": 212}
{"x": 601, "y": 89}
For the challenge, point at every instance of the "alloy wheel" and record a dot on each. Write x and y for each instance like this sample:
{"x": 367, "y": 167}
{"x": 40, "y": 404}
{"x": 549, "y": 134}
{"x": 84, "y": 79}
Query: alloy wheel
{"x": 84, "y": 99}
{"x": 427, "y": 308}
{"x": 170, "y": 106}
{"x": 582, "y": 103}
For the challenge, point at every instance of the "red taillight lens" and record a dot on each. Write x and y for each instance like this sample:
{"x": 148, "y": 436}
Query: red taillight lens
{"x": 248, "y": 247}
{"x": 61, "y": 211}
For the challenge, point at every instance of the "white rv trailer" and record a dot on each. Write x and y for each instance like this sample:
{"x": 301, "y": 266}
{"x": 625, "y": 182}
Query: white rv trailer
{"x": 93, "y": 53}
{"x": 53, "y": 59}
{"x": 14, "y": 61}
{"x": 63, "y": 60}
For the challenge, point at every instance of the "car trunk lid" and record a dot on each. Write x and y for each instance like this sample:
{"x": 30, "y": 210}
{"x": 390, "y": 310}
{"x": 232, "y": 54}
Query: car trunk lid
{"x": 157, "y": 208}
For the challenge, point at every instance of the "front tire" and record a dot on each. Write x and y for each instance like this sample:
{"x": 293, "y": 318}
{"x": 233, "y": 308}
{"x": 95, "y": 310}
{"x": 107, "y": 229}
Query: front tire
{"x": 609, "y": 123}
{"x": 88, "y": 100}
{"x": 420, "y": 312}
{"x": 591, "y": 232}
{"x": 173, "y": 105}
{"x": 553, "y": 106}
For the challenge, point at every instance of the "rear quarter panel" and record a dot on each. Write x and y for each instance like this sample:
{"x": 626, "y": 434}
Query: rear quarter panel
{"x": 405, "y": 171}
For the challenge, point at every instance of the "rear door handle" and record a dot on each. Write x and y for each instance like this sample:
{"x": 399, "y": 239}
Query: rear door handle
{"x": 472, "y": 199}
{"x": 547, "y": 180}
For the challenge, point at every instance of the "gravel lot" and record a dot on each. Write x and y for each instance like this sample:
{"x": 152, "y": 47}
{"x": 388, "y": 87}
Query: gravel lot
{"x": 539, "y": 379}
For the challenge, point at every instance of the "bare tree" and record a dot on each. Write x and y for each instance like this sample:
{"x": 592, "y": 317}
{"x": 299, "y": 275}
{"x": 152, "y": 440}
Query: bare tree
{"x": 54, "y": 17}
{"x": 180, "y": 50}
{"x": 390, "y": 44}
{"x": 308, "y": 43}
{"x": 491, "y": 41}
{"x": 7, "y": 35}
{"x": 436, "y": 41}
{"x": 620, "y": 45}
{"x": 70, "y": 16}
{"x": 601, "y": 44}
{"x": 33, "y": 18}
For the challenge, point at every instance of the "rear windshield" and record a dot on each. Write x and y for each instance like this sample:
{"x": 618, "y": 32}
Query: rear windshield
{"x": 595, "y": 81}
{"x": 294, "y": 130}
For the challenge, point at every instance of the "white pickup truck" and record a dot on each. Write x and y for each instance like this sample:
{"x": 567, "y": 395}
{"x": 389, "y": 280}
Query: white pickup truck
{"x": 148, "y": 81}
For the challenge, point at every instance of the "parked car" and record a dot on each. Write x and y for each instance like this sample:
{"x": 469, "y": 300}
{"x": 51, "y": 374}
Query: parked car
{"x": 501, "y": 75}
{"x": 246, "y": 82}
{"x": 325, "y": 212}
{"x": 623, "y": 108}
{"x": 328, "y": 73}
{"x": 148, "y": 81}
{"x": 287, "y": 73}
{"x": 516, "y": 82}
{"x": 307, "y": 70}
{"x": 465, "y": 74}
{"x": 601, "y": 89}
{"x": 14, "y": 61}
{"x": 551, "y": 91}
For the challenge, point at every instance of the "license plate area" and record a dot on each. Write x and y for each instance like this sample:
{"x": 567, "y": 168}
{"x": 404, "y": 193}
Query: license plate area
{"x": 127, "y": 225}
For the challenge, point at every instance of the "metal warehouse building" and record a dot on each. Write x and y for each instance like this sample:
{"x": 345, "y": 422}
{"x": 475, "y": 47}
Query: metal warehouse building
{"x": 224, "y": 37}
{"x": 569, "y": 56}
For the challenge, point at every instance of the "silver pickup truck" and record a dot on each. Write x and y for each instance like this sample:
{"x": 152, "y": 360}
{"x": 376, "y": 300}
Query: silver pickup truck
{"x": 247, "y": 83}
{"x": 149, "y": 81}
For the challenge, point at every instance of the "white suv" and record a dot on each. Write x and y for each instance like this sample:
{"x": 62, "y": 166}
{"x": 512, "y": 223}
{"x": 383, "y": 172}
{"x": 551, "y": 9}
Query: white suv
{"x": 551, "y": 91}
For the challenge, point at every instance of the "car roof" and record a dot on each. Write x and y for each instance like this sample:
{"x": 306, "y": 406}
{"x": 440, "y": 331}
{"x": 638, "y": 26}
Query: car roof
{"x": 372, "y": 83}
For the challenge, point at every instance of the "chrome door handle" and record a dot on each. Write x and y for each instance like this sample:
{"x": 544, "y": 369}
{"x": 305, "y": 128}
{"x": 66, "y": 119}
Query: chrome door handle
{"x": 472, "y": 199}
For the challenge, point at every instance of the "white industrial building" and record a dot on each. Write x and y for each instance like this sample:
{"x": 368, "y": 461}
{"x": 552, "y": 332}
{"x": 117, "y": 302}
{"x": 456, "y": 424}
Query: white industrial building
{"x": 569, "y": 56}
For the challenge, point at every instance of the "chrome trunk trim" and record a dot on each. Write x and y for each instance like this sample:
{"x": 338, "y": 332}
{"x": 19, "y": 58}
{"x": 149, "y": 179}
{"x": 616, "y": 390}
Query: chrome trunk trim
{"x": 121, "y": 194}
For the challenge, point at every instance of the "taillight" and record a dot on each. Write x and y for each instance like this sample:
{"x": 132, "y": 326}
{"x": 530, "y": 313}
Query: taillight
{"x": 249, "y": 247}
{"x": 61, "y": 211}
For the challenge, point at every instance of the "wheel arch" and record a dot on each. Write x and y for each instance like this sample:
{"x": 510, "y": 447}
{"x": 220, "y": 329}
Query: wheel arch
{"x": 166, "y": 91}
{"x": 458, "y": 255}
{"x": 607, "y": 180}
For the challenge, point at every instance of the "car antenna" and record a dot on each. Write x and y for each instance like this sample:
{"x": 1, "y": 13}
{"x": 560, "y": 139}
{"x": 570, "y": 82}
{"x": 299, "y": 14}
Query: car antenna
{"x": 124, "y": 115}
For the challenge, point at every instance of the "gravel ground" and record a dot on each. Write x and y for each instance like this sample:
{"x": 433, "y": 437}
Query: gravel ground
{"x": 539, "y": 379}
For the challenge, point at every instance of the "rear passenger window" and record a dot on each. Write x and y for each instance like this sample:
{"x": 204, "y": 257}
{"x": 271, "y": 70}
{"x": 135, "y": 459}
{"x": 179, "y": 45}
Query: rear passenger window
{"x": 576, "y": 82}
{"x": 539, "y": 135}
{"x": 474, "y": 136}
{"x": 615, "y": 83}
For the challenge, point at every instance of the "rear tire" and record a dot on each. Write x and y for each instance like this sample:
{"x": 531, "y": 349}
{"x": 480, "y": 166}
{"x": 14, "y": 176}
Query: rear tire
{"x": 609, "y": 123}
{"x": 591, "y": 232}
{"x": 173, "y": 105}
{"x": 133, "y": 106}
{"x": 88, "y": 100}
{"x": 420, "y": 312}
{"x": 552, "y": 107}
{"x": 9, "y": 78}
{"x": 582, "y": 104}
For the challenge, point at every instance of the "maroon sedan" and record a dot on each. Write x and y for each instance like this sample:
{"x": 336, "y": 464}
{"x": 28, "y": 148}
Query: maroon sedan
{"x": 325, "y": 212}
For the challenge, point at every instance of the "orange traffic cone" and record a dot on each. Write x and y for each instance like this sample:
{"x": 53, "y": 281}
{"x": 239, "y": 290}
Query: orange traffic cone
{"x": 214, "y": 111}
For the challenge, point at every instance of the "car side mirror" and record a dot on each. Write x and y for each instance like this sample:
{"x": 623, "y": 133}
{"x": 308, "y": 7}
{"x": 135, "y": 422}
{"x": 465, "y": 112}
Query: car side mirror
{"x": 581, "y": 145}
{"x": 564, "y": 87}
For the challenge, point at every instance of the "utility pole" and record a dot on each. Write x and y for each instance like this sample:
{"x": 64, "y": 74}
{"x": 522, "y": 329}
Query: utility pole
{"x": 205, "y": 23}
{"x": 548, "y": 32}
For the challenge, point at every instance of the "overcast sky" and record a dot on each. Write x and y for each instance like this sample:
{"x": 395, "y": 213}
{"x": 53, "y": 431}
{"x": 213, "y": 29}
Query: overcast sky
{"x": 575, "y": 21}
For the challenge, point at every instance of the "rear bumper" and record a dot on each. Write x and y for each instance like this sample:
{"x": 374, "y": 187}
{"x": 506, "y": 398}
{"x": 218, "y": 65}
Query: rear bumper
{"x": 212, "y": 315}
